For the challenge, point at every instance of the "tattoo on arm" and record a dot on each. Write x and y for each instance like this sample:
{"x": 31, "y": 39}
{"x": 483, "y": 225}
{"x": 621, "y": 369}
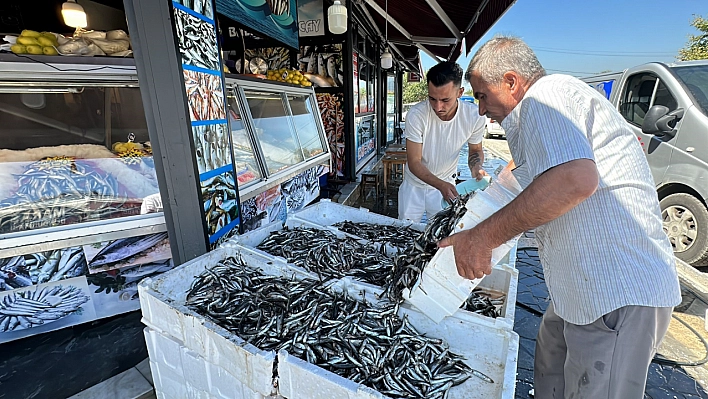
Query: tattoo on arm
{"x": 473, "y": 159}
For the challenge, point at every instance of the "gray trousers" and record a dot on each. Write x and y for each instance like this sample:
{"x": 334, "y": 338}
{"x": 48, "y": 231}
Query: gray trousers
{"x": 608, "y": 358}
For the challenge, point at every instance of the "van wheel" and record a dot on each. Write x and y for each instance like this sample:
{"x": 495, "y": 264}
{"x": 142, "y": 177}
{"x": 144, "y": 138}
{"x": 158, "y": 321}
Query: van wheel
{"x": 686, "y": 225}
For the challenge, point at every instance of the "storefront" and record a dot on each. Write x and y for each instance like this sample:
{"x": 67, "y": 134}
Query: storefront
{"x": 117, "y": 168}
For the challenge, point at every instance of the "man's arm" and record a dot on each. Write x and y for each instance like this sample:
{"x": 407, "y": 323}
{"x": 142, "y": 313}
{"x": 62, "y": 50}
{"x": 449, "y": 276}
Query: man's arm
{"x": 550, "y": 195}
{"x": 414, "y": 153}
{"x": 475, "y": 159}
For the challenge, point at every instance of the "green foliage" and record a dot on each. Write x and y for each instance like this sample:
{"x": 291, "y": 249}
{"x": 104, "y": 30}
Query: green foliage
{"x": 415, "y": 92}
{"x": 469, "y": 93}
{"x": 697, "y": 46}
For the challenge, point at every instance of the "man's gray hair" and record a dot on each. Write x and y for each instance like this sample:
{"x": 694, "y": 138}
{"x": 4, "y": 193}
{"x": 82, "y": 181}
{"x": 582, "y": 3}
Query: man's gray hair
{"x": 502, "y": 54}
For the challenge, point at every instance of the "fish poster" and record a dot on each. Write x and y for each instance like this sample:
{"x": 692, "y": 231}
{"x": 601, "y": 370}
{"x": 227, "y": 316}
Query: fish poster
{"x": 196, "y": 39}
{"x": 323, "y": 64}
{"x": 127, "y": 252}
{"x": 211, "y": 144}
{"x": 116, "y": 291}
{"x": 205, "y": 96}
{"x": 45, "y": 307}
{"x": 203, "y": 7}
{"x": 263, "y": 209}
{"x": 275, "y": 19}
{"x": 332, "y": 114}
{"x": 221, "y": 204}
{"x": 301, "y": 190}
{"x": 41, "y": 267}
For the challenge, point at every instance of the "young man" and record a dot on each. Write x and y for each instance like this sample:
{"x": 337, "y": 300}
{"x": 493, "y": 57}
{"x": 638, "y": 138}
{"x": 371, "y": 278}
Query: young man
{"x": 436, "y": 130}
{"x": 589, "y": 193}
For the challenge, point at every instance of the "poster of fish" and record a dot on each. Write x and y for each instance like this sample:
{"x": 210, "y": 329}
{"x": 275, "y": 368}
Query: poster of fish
{"x": 274, "y": 57}
{"x": 116, "y": 291}
{"x": 332, "y": 114}
{"x": 126, "y": 252}
{"x": 205, "y": 95}
{"x": 41, "y": 267}
{"x": 323, "y": 64}
{"x": 211, "y": 144}
{"x": 45, "y": 307}
{"x": 301, "y": 190}
{"x": 263, "y": 209}
{"x": 221, "y": 207}
{"x": 196, "y": 39}
{"x": 274, "y": 19}
{"x": 204, "y": 7}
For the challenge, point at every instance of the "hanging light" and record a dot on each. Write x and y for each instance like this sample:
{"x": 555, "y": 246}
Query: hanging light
{"x": 73, "y": 14}
{"x": 337, "y": 18}
{"x": 386, "y": 57}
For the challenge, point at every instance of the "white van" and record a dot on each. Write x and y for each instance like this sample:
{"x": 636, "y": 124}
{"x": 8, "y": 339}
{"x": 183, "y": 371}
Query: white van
{"x": 667, "y": 107}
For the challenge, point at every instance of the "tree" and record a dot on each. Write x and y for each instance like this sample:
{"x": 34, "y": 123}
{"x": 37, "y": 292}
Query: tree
{"x": 697, "y": 46}
{"x": 414, "y": 92}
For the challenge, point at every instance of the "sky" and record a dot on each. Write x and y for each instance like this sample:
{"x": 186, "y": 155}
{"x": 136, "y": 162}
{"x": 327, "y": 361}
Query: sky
{"x": 583, "y": 38}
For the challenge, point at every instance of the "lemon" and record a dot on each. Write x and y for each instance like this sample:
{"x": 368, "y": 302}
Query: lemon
{"x": 45, "y": 41}
{"x": 27, "y": 40}
{"x": 29, "y": 33}
{"x": 49, "y": 50}
{"x": 34, "y": 49}
{"x": 18, "y": 48}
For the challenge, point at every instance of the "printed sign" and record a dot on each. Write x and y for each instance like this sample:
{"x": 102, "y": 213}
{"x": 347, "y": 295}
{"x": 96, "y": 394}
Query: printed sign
{"x": 310, "y": 18}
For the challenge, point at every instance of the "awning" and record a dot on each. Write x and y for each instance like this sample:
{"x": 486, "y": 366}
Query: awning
{"x": 436, "y": 27}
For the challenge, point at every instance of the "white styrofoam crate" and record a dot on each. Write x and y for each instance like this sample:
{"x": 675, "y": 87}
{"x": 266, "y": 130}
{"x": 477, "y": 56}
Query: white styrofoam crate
{"x": 162, "y": 302}
{"x": 490, "y": 350}
{"x": 326, "y": 213}
{"x": 505, "y": 280}
{"x": 180, "y": 373}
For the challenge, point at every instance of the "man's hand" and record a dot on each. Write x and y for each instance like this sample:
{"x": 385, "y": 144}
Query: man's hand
{"x": 448, "y": 191}
{"x": 478, "y": 173}
{"x": 473, "y": 254}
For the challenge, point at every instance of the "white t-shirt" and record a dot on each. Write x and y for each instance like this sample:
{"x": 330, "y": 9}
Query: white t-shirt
{"x": 609, "y": 251}
{"x": 442, "y": 140}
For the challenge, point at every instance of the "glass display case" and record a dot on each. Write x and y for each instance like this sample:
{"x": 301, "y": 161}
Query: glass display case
{"x": 277, "y": 132}
{"x": 74, "y": 150}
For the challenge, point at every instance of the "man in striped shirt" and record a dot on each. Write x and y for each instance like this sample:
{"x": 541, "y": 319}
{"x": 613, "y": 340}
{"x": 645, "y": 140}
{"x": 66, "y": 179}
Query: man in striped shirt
{"x": 589, "y": 194}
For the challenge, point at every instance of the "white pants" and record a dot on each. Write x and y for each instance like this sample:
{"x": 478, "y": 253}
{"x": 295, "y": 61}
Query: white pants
{"x": 414, "y": 201}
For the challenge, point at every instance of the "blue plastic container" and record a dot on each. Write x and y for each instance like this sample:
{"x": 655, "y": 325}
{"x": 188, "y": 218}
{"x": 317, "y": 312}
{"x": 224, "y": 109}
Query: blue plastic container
{"x": 470, "y": 186}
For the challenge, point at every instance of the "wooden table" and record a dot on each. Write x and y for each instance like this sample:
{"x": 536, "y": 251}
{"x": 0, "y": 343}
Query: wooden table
{"x": 389, "y": 162}
{"x": 396, "y": 149}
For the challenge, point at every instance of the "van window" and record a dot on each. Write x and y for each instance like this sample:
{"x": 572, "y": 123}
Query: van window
{"x": 636, "y": 98}
{"x": 664, "y": 97}
{"x": 695, "y": 77}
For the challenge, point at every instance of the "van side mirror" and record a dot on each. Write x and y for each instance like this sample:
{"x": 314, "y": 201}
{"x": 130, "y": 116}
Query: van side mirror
{"x": 659, "y": 121}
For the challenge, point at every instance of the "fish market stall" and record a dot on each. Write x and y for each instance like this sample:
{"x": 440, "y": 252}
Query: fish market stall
{"x": 80, "y": 212}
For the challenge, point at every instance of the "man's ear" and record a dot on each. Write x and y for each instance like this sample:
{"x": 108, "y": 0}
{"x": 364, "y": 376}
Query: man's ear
{"x": 514, "y": 82}
{"x": 461, "y": 92}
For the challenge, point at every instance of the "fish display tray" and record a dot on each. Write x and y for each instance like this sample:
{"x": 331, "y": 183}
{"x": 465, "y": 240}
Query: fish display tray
{"x": 490, "y": 350}
{"x": 162, "y": 303}
{"x": 255, "y": 237}
{"x": 326, "y": 213}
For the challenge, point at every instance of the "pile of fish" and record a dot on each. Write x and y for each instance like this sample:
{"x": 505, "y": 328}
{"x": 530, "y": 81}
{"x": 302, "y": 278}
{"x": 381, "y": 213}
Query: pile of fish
{"x": 205, "y": 96}
{"x": 409, "y": 265}
{"x": 53, "y": 192}
{"x": 322, "y": 252}
{"x": 41, "y": 267}
{"x": 20, "y": 310}
{"x": 485, "y": 304}
{"x": 398, "y": 237}
{"x": 365, "y": 343}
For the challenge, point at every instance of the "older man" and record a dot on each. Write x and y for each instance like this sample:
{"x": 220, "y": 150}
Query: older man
{"x": 589, "y": 193}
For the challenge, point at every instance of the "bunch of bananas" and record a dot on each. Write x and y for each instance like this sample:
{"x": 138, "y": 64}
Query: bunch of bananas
{"x": 289, "y": 76}
{"x": 33, "y": 42}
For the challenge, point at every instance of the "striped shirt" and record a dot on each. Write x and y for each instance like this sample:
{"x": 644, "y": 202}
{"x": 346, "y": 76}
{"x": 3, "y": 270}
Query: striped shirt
{"x": 609, "y": 251}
